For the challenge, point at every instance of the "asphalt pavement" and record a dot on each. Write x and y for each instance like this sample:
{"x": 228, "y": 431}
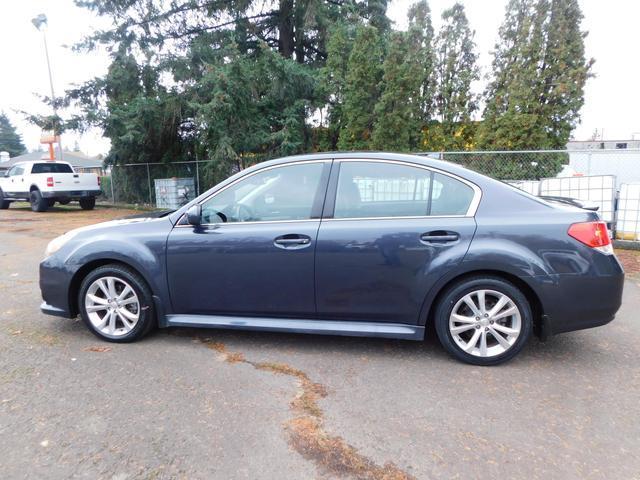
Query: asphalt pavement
{"x": 193, "y": 404}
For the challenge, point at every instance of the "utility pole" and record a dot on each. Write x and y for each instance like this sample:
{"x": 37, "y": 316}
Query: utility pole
{"x": 40, "y": 22}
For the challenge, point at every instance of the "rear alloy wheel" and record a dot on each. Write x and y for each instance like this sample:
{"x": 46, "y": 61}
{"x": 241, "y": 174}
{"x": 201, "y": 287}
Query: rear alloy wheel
{"x": 116, "y": 304}
{"x": 483, "y": 321}
{"x": 38, "y": 203}
{"x": 88, "y": 203}
{"x": 4, "y": 204}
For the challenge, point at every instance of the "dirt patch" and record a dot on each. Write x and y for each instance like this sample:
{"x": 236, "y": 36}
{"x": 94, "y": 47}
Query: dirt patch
{"x": 305, "y": 430}
{"x": 97, "y": 349}
{"x": 56, "y": 220}
{"x": 630, "y": 260}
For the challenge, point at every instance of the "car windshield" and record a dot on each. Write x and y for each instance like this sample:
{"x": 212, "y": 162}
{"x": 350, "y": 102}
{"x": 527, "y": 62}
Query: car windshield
{"x": 51, "y": 168}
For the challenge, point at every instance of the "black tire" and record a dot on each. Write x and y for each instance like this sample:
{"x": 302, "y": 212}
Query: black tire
{"x": 88, "y": 203}
{"x": 38, "y": 203}
{"x": 456, "y": 292}
{"x": 146, "y": 321}
{"x": 4, "y": 204}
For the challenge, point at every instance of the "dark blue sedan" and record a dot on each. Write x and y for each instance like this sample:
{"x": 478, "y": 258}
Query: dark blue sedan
{"x": 364, "y": 244}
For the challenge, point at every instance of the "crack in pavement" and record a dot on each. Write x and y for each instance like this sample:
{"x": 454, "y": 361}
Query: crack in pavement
{"x": 305, "y": 430}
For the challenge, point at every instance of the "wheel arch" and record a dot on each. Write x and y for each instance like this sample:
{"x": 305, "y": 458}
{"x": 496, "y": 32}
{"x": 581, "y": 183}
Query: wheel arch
{"x": 429, "y": 307}
{"x": 82, "y": 272}
{"x": 33, "y": 188}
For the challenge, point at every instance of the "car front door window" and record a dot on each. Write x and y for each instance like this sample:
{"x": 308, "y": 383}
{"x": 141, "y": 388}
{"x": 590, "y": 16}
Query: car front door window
{"x": 277, "y": 194}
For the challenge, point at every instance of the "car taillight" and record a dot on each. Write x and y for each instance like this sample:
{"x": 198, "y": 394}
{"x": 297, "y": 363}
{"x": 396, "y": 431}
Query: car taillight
{"x": 592, "y": 234}
{"x": 49, "y": 181}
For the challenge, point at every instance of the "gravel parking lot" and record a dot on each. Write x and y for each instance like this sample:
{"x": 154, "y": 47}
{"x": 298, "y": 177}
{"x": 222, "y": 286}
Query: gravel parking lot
{"x": 215, "y": 404}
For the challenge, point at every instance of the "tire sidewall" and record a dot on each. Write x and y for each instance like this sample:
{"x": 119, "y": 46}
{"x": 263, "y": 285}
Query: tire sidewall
{"x": 456, "y": 292}
{"x": 4, "y": 204}
{"x": 147, "y": 314}
{"x": 38, "y": 203}
{"x": 88, "y": 203}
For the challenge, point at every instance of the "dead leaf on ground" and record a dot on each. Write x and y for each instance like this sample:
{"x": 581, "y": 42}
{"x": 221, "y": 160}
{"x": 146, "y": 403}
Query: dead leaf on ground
{"x": 98, "y": 349}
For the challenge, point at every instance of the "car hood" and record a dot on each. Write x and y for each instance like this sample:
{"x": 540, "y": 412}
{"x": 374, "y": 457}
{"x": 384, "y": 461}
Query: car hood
{"x": 113, "y": 225}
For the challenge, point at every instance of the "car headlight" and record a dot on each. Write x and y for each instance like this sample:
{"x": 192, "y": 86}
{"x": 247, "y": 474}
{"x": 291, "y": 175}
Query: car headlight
{"x": 58, "y": 242}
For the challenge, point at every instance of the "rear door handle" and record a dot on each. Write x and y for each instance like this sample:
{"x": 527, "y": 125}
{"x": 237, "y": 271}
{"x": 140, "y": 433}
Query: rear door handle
{"x": 292, "y": 241}
{"x": 439, "y": 237}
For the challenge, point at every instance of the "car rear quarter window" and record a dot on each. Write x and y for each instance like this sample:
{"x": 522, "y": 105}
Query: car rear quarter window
{"x": 379, "y": 189}
{"x": 51, "y": 168}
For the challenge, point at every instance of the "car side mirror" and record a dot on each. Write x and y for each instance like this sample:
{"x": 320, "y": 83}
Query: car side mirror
{"x": 194, "y": 215}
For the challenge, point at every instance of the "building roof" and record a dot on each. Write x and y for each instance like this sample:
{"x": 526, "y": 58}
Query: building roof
{"x": 76, "y": 159}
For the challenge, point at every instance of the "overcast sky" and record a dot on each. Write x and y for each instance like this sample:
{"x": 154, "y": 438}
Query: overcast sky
{"x": 612, "y": 100}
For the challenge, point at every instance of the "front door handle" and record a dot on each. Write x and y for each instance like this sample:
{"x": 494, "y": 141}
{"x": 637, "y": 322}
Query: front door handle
{"x": 439, "y": 237}
{"x": 292, "y": 241}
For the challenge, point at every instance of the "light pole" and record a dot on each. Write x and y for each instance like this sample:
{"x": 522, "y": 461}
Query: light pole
{"x": 40, "y": 22}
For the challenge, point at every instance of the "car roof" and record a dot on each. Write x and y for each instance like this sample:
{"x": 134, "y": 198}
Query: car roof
{"x": 424, "y": 160}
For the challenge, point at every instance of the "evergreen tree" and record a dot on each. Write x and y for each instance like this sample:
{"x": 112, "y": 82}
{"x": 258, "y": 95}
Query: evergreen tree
{"x": 455, "y": 72}
{"x": 421, "y": 56}
{"x": 362, "y": 89}
{"x": 540, "y": 70}
{"x": 10, "y": 140}
{"x": 334, "y": 79}
{"x": 395, "y": 120}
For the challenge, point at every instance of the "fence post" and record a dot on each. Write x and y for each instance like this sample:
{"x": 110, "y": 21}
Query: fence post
{"x": 589, "y": 163}
{"x": 113, "y": 195}
{"x": 149, "y": 183}
{"x": 197, "y": 178}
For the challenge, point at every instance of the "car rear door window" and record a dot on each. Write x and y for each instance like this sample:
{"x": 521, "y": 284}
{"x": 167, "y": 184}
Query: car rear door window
{"x": 276, "y": 194}
{"x": 16, "y": 171}
{"x": 450, "y": 196}
{"x": 379, "y": 189}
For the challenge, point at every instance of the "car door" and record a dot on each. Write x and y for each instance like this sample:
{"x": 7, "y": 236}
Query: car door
{"x": 254, "y": 252}
{"x": 14, "y": 184}
{"x": 389, "y": 231}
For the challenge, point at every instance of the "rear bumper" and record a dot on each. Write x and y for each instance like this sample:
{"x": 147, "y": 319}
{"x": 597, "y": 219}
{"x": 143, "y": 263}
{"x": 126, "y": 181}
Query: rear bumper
{"x": 55, "y": 311}
{"x": 72, "y": 194}
{"x": 576, "y": 302}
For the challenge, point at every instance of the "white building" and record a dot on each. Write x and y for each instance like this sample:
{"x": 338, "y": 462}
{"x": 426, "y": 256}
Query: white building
{"x": 606, "y": 157}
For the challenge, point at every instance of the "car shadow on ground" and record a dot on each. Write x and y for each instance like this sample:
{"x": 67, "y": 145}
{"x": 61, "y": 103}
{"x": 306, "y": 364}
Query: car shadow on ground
{"x": 568, "y": 348}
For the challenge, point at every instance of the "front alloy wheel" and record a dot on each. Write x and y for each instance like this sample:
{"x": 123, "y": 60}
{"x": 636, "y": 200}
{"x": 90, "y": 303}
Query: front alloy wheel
{"x": 112, "y": 306}
{"x": 116, "y": 303}
{"x": 483, "y": 320}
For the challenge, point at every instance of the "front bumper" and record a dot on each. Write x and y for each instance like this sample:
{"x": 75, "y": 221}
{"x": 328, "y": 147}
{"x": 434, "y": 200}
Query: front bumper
{"x": 73, "y": 194}
{"x": 55, "y": 282}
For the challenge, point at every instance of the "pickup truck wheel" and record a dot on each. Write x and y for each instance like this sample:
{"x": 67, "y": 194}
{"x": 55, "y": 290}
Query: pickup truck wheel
{"x": 116, "y": 304}
{"x": 38, "y": 204}
{"x": 4, "y": 204}
{"x": 88, "y": 203}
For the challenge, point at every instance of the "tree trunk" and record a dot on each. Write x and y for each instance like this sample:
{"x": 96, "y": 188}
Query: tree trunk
{"x": 285, "y": 28}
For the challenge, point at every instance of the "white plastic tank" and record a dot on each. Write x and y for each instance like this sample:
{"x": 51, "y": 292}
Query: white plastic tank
{"x": 628, "y": 222}
{"x": 172, "y": 193}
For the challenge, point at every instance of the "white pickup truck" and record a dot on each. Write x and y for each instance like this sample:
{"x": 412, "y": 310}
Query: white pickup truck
{"x": 46, "y": 182}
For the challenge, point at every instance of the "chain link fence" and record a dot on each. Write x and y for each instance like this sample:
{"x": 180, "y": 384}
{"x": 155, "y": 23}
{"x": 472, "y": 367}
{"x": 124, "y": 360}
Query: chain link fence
{"x": 135, "y": 184}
